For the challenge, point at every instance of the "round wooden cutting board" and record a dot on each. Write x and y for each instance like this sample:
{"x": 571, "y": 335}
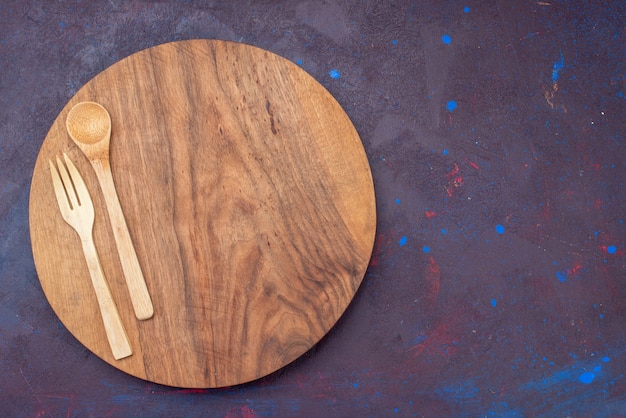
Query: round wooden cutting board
{"x": 249, "y": 199}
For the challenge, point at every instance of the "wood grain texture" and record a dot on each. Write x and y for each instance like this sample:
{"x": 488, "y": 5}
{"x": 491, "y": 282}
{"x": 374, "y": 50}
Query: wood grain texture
{"x": 250, "y": 201}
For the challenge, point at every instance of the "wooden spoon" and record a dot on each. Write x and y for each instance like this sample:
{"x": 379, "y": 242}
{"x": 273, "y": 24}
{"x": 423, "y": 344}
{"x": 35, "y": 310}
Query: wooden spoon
{"x": 89, "y": 126}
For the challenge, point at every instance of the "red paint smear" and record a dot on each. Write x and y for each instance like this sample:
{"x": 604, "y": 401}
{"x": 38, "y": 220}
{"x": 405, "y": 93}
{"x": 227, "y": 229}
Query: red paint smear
{"x": 433, "y": 278}
{"x": 574, "y": 270}
{"x": 64, "y": 396}
{"x": 381, "y": 247}
{"x": 597, "y": 203}
{"x": 439, "y": 341}
{"x": 458, "y": 181}
{"x": 454, "y": 180}
{"x": 241, "y": 412}
{"x": 430, "y": 214}
{"x": 192, "y": 391}
{"x": 472, "y": 163}
{"x": 453, "y": 172}
{"x": 375, "y": 259}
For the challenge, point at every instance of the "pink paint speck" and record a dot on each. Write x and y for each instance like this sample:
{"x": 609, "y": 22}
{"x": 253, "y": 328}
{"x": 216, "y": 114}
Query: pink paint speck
{"x": 241, "y": 412}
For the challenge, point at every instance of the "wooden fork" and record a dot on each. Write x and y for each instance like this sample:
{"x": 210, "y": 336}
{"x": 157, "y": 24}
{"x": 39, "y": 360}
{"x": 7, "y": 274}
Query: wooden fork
{"x": 77, "y": 210}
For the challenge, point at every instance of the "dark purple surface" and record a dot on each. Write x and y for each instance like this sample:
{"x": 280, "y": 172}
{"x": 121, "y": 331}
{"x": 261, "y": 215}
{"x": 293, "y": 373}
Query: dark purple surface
{"x": 495, "y": 134}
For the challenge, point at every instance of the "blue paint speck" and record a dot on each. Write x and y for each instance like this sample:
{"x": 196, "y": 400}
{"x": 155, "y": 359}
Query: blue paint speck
{"x": 451, "y": 105}
{"x": 402, "y": 241}
{"x": 445, "y": 151}
{"x": 419, "y": 339}
{"x": 494, "y": 302}
{"x": 334, "y": 74}
{"x": 606, "y": 359}
{"x": 356, "y": 385}
{"x": 557, "y": 67}
{"x": 299, "y": 61}
{"x": 446, "y": 39}
{"x": 597, "y": 369}
{"x": 587, "y": 377}
{"x": 395, "y": 42}
{"x": 396, "y": 410}
{"x": 397, "y": 201}
{"x": 561, "y": 275}
{"x": 426, "y": 249}
{"x": 611, "y": 249}
{"x": 466, "y": 9}
{"x": 62, "y": 24}
{"x": 444, "y": 231}
{"x": 500, "y": 229}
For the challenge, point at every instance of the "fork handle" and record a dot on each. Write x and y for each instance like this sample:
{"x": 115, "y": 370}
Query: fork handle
{"x": 139, "y": 295}
{"x": 116, "y": 334}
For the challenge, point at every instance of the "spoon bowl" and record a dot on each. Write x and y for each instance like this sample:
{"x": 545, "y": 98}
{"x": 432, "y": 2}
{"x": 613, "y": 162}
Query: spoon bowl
{"x": 89, "y": 122}
{"x": 89, "y": 126}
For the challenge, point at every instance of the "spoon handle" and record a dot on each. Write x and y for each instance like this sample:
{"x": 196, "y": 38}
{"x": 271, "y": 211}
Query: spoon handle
{"x": 139, "y": 296}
